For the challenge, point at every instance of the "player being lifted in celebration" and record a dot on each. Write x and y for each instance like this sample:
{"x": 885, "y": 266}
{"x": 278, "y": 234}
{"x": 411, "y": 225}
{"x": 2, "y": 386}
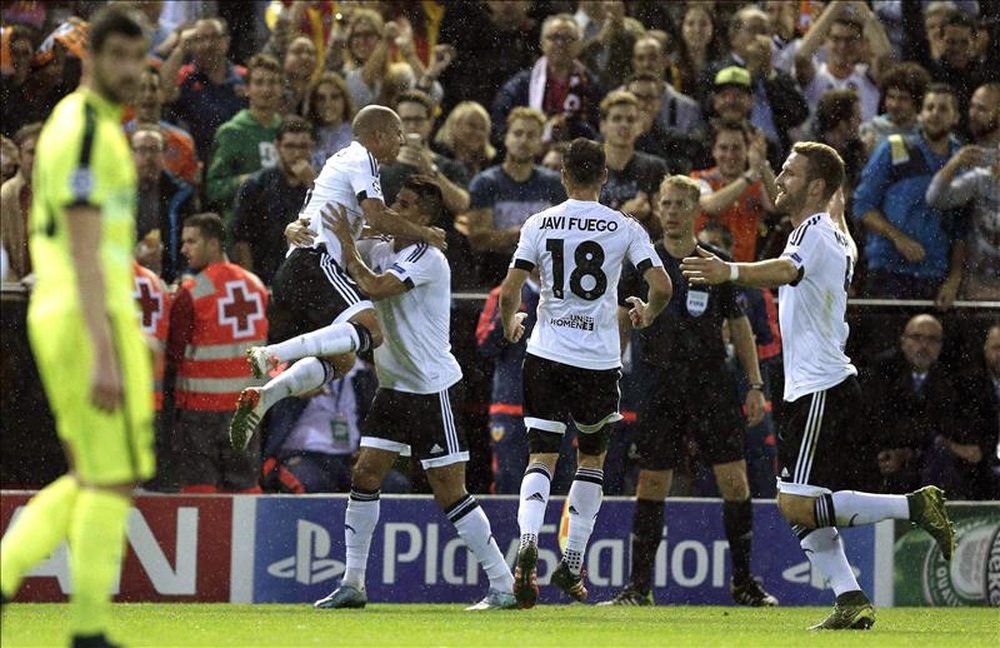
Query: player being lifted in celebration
{"x": 815, "y": 449}
{"x": 413, "y": 407}
{"x": 573, "y": 360}
{"x": 317, "y": 314}
{"x": 84, "y": 332}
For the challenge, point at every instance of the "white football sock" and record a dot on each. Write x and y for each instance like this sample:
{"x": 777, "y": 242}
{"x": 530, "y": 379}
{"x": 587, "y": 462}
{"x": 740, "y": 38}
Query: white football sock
{"x": 474, "y": 528}
{"x": 854, "y": 508}
{"x": 825, "y": 551}
{"x": 327, "y": 341}
{"x": 585, "y": 497}
{"x": 303, "y": 376}
{"x": 359, "y": 526}
{"x": 535, "y": 487}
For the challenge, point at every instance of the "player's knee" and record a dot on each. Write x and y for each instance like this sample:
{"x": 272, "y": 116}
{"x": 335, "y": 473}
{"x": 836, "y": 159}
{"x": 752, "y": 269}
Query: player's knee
{"x": 797, "y": 510}
{"x": 653, "y": 484}
{"x": 366, "y": 474}
{"x": 594, "y": 444}
{"x": 543, "y": 442}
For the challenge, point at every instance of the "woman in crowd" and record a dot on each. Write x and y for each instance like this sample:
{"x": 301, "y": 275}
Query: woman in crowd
{"x": 330, "y": 110}
{"x": 465, "y": 137}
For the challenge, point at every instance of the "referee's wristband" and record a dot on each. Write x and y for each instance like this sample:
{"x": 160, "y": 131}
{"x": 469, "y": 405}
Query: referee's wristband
{"x": 734, "y": 272}
{"x": 756, "y": 387}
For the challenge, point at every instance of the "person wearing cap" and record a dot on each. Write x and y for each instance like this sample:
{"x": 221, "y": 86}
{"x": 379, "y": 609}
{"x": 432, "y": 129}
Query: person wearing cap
{"x": 732, "y": 101}
{"x": 777, "y": 106}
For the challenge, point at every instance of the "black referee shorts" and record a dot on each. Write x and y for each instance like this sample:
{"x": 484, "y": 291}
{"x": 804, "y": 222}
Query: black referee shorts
{"x": 309, "y": 291}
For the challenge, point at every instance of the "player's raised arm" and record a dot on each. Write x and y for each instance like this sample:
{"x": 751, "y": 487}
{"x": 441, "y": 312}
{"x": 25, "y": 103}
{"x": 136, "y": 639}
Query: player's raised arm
{"x": 383, "y": 219}
{"x": 706, "y": 268}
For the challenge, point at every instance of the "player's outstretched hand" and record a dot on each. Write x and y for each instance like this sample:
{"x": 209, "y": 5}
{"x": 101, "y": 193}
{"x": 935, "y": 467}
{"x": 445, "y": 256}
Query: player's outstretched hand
{"x": 297, "y": 233}
{"x": 706, "y": 268}
{"x": 335, "y": 219}
{"x": 435, "y": 236}
{"x": 639, "y": 313}
{"x": 516, "y": 331}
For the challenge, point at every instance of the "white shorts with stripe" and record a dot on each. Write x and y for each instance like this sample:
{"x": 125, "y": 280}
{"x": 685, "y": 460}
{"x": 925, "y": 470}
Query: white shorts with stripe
{"x": 421, "y": 425}
{"x": 816, "y": 448}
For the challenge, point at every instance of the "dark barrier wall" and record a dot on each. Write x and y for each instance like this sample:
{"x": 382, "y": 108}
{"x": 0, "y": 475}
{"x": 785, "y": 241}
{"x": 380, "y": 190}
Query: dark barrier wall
{"x": 30, "y": 455}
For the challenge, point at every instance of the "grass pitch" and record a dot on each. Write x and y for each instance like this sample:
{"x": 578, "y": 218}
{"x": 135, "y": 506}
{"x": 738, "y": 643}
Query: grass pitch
{"x": 221, "y": 626}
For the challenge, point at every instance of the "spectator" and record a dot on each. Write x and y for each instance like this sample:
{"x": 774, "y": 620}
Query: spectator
{"x": 634, "y": 177}
{"x": 271, "y": 198}
{"x": 299, "y": 64}
{"x": 245, "y": 143}
{"x": 984, "y": 115}
{"x": 558, "y": 85}
{"x": 608, "y": 53}
{"x": 911, "y": 251}
{"x": 180, "y": 156}
{"x": 732, "y": 100}
{"x": 846, "y": 29}
{"x": 330, "y": 110}
{"x": 502, "y": 197}
{"x": 910, "y": 400}
{"x": 19, "y": 42}
{"x": 209, "y": 90}
{"x": 371, "y": 77}
{"x": 698, "y": 49}
{"x": 216, "y": 316}
{"x": 979, "y": 393}
{"x": 164, "y": 202}
{"x": 957, "y": 66}
{"x": 739, "y": 191}
{"x": 903, "y": 87}
{"x": 465, "y": 137}
{"x": 678, "y": 143}
{"x": 493, "y": 41}
{"x": 415, "y": 110}
{"x": 778, "y": 106}
{"x": 15, "y": 205}
{"x": 980, "y": 186}
{"x": 785, "y": 41}
{"x": 936, "y": 15}
{"x": 836, "y": 124}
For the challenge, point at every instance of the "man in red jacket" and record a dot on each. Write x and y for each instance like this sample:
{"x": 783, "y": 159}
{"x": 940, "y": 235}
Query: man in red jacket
{"x": 217, "y": 315}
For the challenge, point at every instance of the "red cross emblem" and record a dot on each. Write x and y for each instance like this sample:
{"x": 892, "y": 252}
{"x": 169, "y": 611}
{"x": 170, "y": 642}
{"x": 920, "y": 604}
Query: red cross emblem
{"x": 150, "y": 304}
{"x": 240, "y": 309}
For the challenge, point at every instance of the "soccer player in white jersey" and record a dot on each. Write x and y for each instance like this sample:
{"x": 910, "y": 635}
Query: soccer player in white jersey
{"x": 410, "y": 282}
{"x": 573, "y": 360}
{"x": 317, "y": 314}
{"x": 818, "y": 466}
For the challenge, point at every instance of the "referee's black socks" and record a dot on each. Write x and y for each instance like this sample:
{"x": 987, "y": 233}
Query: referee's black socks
{"x": 737, "y": 518}
{"x": 647, "y": 531}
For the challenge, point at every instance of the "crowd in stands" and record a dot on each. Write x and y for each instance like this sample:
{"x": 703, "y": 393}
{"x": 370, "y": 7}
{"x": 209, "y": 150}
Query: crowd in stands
{"x": 243, "y": 103}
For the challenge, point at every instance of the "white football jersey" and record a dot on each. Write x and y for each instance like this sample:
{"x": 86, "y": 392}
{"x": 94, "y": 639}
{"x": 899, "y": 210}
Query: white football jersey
{"x": 415, "y": 355}
{"x": 859, "y": 80}
{"x": 349, "y": 176}
{"x": 811, "y": 310}
{"x": 579, "y": 247}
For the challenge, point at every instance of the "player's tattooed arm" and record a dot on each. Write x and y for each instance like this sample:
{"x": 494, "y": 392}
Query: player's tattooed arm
{"x": 376, "y": 286}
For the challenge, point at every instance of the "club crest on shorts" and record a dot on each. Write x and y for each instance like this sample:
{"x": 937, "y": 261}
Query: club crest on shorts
{"x": 697, "y": 302}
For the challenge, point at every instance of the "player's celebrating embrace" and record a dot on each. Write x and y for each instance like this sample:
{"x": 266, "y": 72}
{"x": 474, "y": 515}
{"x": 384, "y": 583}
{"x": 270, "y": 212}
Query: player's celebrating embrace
{"x": 571, "y": 370}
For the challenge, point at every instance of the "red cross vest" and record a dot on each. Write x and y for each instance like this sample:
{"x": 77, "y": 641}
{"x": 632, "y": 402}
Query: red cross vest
{"x": 230, "y": 316}
{"x": 153, "y": 299}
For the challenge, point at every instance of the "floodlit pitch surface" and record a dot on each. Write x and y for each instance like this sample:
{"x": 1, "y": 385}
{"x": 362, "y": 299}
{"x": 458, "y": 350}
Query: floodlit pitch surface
{"x": 223, "y": 625}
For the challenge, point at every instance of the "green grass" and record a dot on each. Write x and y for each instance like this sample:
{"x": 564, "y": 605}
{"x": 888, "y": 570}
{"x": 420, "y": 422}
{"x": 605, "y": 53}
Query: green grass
{"x": 220, "y": 626}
